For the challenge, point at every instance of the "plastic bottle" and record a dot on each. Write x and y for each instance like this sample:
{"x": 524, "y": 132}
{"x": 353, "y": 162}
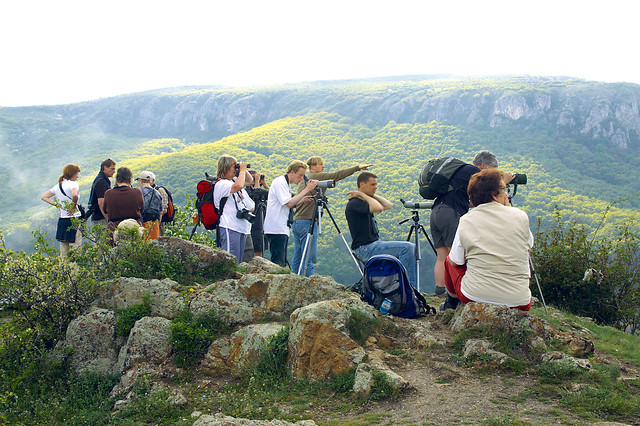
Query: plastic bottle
{"x": 386, "y": 306}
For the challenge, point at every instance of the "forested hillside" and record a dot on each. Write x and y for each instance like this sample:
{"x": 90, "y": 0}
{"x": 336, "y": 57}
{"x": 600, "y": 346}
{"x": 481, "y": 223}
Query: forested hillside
{"x": 578, "y": 142}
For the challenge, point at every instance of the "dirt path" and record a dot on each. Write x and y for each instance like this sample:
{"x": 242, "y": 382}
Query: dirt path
{"x": 447, "y": 393}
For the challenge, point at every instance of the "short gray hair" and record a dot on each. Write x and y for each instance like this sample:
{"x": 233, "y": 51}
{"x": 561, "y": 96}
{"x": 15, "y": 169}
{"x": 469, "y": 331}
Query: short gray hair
{"x": 487, "y": 157}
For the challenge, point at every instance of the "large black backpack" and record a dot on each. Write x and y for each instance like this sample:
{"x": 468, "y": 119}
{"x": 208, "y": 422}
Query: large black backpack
{"x": 386, "y": 278}
{"x": 435, "y": 179}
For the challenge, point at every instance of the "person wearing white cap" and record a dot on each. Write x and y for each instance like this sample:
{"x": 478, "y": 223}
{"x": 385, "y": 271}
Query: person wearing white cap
{"x": 152, "y": 211}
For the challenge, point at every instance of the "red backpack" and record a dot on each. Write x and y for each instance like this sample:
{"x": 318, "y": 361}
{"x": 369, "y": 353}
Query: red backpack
{"x": 208, "y": 214}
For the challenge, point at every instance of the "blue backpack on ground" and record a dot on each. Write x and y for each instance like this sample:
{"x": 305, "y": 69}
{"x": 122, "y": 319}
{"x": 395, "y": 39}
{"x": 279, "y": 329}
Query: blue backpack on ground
{"x": 386, "y": 278}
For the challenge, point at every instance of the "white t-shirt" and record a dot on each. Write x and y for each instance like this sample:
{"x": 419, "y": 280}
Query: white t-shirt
{"x": 229, "y": 219}
{"x": 68, "y": 186}
{"x": 275, "y": 221}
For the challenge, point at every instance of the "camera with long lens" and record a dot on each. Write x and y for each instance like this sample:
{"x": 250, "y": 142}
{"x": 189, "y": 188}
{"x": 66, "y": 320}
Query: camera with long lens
{"x": 326, "y": 184}
{"x": 519, "y": 179}
{"x": 422, "y": 205}
{"x": 245, "y": 214}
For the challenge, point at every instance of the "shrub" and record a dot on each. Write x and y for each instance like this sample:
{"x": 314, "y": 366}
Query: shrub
{"x": 45, "y": 292}
{"x": 564, "y": 253}
{"x": 271, "y": 365}
{"x": 191, "y": 335}
{"x": 128, "y": 317}
{"x": 133, "y": 256}
{"x": 382, "y": 387}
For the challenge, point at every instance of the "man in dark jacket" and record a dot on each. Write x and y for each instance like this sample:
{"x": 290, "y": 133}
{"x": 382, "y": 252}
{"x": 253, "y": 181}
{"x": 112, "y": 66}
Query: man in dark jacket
{"x": 100, "y": 185}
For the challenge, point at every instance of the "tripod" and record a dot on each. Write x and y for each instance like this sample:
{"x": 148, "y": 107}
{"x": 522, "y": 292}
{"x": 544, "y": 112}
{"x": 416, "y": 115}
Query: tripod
{"x": 415, "y": 229}
{"x": 320, "y": 206}
{"x": 533, "y": 269}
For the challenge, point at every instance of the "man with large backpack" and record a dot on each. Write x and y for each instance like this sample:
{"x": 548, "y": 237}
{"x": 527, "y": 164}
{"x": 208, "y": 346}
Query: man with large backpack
{"x": 449, "y": 206}
{"x": 100, "y": 185}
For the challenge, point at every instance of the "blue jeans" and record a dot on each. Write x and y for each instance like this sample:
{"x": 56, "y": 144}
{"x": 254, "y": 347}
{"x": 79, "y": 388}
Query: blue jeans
{"x": 300, "y": 230}
{"x": 403, "y": 250}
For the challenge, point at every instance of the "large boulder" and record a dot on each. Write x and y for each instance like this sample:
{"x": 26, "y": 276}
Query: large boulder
{"x": 92, "y": 338}
{"x": 232, "y": 353}
{"x": 198, "y": 257}
{"x": 486, "y": 316}
{"x": 254, "y": 297}
{"x": 148, "y": 342}
{"x": 122, "y": 293}
{"x": 319, "y": 341}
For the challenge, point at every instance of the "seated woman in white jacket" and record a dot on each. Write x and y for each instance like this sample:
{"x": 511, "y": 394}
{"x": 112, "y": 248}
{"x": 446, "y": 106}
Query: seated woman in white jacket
{"x": 489, "y": 259}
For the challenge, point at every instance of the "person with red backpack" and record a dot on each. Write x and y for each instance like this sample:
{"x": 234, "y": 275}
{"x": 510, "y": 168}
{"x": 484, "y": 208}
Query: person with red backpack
{"x": 237, "y": 210}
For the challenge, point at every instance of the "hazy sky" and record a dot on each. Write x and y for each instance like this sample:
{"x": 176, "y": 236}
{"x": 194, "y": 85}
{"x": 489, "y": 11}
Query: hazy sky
{"x": 55, "y": 52}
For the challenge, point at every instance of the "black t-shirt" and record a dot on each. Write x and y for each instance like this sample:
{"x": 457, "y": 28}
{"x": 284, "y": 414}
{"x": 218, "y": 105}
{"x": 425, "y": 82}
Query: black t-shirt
{"x": 362, "y": 225}
{"x": 458, "y": 199}
{"x": 101, "y": 184}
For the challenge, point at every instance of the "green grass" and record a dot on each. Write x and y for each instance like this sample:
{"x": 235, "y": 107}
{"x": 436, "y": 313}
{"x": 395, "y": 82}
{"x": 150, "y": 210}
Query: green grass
{"x": 610, "y": 340}
{"x": 57, "y": 396}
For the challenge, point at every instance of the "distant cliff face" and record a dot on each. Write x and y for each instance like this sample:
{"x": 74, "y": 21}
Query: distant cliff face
{"x": 590, "y": 111}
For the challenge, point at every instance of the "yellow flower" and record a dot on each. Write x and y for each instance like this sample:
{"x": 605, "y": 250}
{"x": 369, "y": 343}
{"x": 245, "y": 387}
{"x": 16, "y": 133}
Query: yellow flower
{"x": 191, "y": 290}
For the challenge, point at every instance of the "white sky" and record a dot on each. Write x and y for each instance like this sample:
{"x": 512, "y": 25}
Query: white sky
{"x": 56, "y": 52}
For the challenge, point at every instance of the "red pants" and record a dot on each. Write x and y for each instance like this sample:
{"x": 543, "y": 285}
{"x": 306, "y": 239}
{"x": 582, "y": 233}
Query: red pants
{"x": 453, "y": 281}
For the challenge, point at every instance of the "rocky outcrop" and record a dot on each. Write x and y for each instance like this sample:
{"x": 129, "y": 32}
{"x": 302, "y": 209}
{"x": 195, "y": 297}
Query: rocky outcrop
{"x": 375, "y": 362}
{"x": 481, "y": 347}
{"x": 254, "y": 297}
{"x": 240, "y": 349}
{"x": 485, "y": 316}
{"x": 122, "y": 293}
{"x": 198, "y": 257}
{"x": 92, "y": 339}
{"x": 319, "y": 341}
{"x": 148, "y": 342}
{"x": 562, "y": 358}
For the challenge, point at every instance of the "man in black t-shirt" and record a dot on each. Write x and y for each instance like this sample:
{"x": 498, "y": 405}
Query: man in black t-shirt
{"x": 100, "y": 185}
{"x": 363, "y": 227}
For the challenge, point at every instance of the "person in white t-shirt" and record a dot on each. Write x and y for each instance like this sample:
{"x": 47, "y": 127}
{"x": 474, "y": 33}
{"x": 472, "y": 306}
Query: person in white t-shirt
{"x": 66, "y": 195}
{"x": 489, "y": 258}
{"x": 236, "y": 205}
{"x": 279, "y": 204}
